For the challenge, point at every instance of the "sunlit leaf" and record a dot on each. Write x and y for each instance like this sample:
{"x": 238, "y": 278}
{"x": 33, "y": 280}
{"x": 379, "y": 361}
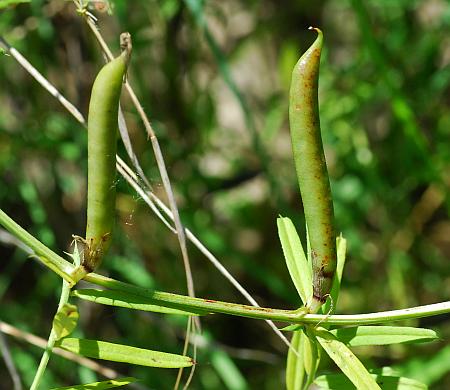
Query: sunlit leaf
{"x": 109, "y": 384}
{"x": 295, "y": 369}
{"x": 346, "y": 360}
{"x": 341, "y": 382}
{"x": 295, "y": 257}
{"x": 65, "y": 321}
{"x": 76, "y": 255}
{"x": 383, "y": 335}
{"x": 292, "y": 328}
{"x": 124, "y": 353}
{"x": 308, "y": 249}
{"x": 311, "y": 353}
{"x": 341, "y": 248}
{"x": 129, "y": 301}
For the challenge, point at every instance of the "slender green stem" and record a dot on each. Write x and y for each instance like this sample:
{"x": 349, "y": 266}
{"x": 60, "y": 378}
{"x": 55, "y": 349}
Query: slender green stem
{"x": 62, "y": 267}
{"x": 65, "y": 294}
{"x": 200, "y": 304}
{"x": 291, "y": 316}
{"x": 50, "y": 259}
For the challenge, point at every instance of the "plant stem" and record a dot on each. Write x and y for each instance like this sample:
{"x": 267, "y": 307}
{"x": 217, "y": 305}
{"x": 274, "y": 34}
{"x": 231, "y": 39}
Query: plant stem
{"x": 63, "y": 268}
{"x": 50, "y": 259}
{"x": 291, "y": 316}
{"x": 65, "y": 293}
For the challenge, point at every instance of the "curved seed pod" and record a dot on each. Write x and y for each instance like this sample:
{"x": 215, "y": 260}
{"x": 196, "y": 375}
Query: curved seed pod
{"x": 102, "y": 142}
{"x": 311, "y": 170}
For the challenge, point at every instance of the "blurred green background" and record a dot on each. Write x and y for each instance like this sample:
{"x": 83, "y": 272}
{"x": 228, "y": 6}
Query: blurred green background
{"x": 213, "y": 77}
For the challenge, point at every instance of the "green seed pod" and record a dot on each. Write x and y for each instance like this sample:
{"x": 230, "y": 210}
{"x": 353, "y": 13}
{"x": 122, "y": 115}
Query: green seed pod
{"x": 312, "y": 171}
{"x": 102, "y": 144}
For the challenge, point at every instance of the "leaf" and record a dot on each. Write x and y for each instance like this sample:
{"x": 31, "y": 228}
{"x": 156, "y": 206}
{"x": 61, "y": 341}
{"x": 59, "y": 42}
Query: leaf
{"x": 76, "y": 255}
{"x": 129, "y": 301}
{"x": 124, "y": 353}
{"x": 7, "y": 3}
{"x": 341, "y": 382}
{"x": 295, "y": 258}
{"x": 311, "y": 355}
{"x": 65, "y": 320}
{"x": 295, "y": 369}
{"x": 383, "y": 335}
{"x": 109, "y": 384}
{"x": 341, "y": 249}
{"x": 346, "y": 360}
{"x": 292, "y": 328}
{"x": 308, "y": 248}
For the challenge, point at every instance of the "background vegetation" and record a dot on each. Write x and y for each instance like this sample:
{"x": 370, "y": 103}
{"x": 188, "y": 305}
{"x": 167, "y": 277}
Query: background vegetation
{"x": 213, "y": 77}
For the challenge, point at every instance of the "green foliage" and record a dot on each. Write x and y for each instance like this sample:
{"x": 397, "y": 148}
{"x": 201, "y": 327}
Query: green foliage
{"x": 295, "y": 366}
{"x": 129, "y": 301}
{"x": 383, "y": 335}
{"x": 341, "y": 249}
{"x": 213, "y": 77}
{"x": 346, "y": 361}
{"x": 341, "y": 382}
{"x": 386, "y": 377}
{"x": 65, "y": 320}
{"x": 109, "y": 384}
{"x": 296, "y": 261}
{"x": 303, "y": 356}
{"x": 124, "y": 353}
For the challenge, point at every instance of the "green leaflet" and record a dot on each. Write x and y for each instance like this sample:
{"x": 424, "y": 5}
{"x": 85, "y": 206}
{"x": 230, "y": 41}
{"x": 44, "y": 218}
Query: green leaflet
{"x": 383, "y": 335}
{"x": 341, "y": 382}
{"x": 377, "y": 335}
{"x": 76, "y": 255}
{"x": 346, "y": 360}
{"x": 109, "y": 384}
{"x": 65, "y": 321}
{"x": 129, "y": 301}
{"x": 292, "y": 328}
{"x": 295, "y": 258}
{"x": 311, "y": 353}
{"x": 295, "y": 368}
{"x": 341, "y": 248}
{"x": 301, "y": 366}
{"x": 123, "y": 353}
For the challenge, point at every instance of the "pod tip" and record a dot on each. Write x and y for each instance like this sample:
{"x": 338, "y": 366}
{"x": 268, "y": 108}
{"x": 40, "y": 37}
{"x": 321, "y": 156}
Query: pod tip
{"x": 126, "y": 44}
{"x": 319, "y": 31}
